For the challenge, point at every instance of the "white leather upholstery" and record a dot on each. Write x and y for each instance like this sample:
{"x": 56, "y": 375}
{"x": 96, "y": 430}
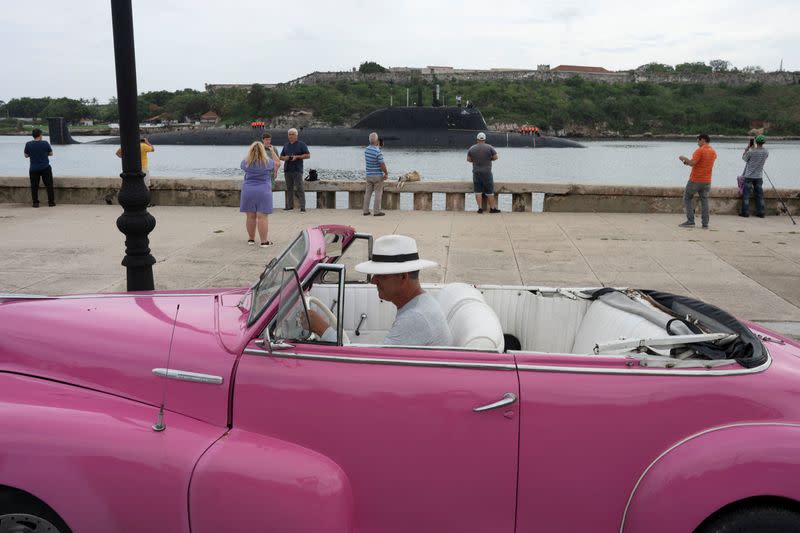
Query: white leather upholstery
{"x": 542, "y": 323}
{"x": 360, "y": 298}
{"x": 472, "y": 322}
{"x": 604, "y": 323}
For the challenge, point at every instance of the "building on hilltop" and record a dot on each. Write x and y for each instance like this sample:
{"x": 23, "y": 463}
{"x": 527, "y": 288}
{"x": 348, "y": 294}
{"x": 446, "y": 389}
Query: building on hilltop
{"x": 211, "y": 87}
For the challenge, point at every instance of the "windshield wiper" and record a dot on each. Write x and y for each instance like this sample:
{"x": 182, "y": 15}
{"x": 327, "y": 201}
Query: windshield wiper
{"x": 663, "y": 342}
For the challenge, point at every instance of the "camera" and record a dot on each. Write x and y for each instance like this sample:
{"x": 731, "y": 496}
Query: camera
{"x": 752, "y": 142}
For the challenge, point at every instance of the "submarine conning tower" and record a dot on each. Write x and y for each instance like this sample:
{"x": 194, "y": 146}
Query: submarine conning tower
{"x": 424, "y": 118}
{"x": 59, "y": 131}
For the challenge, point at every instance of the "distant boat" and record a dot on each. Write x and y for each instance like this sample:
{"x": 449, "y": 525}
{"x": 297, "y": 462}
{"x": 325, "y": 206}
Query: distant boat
{"x": 404, "y": 127}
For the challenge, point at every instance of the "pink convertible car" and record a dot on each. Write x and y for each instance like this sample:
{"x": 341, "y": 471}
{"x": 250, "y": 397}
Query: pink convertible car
{"x": 555, "y": 410}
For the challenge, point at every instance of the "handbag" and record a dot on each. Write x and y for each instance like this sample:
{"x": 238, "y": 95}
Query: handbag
{"x": 312, "y": 175}
{"x": 740, "y": 183}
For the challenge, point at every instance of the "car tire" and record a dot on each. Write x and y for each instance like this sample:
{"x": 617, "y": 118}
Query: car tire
{"x": 22, "y": 512}
{"x": 754, "y": 520}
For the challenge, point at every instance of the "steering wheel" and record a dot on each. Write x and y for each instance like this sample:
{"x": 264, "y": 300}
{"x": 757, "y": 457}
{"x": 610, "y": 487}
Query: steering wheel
{"x": 332, "y": 322}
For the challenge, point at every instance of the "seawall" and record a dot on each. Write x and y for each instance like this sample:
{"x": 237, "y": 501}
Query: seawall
{"x": 556, "y": 197}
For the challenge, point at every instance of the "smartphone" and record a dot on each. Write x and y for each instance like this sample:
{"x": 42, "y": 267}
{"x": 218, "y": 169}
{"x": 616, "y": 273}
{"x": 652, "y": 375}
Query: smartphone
{"x": 752, "y": 142}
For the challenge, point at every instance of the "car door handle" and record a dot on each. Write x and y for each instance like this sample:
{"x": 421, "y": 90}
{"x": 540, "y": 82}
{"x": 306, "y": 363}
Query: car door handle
{"x": 508, "y": 398}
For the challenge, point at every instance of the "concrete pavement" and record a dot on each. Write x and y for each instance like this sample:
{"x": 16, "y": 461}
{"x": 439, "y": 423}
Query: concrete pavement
{"x": 750, "y": 267}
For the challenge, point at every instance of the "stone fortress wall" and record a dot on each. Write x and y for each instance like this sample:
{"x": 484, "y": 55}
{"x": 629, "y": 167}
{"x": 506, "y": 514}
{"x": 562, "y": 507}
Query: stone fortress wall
{"x": 433, "y": 74}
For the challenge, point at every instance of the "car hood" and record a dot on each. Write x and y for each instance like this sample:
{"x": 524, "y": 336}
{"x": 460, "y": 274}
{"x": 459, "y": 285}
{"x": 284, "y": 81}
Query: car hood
{"x": 117, "y": 342}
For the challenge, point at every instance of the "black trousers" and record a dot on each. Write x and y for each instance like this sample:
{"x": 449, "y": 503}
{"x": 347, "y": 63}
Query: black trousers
{"x": 46, "y": 176}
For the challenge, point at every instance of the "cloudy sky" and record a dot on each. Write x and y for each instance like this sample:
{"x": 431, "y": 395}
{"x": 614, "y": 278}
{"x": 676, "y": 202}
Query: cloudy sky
{"x": 64, "y": 48}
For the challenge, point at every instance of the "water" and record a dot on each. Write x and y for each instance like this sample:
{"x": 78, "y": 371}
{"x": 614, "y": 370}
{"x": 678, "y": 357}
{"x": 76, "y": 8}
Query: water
{"x": 611, "y": 162}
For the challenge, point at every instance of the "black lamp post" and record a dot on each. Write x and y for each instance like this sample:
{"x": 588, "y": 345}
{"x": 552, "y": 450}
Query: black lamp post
{"x": 135, "y": 222}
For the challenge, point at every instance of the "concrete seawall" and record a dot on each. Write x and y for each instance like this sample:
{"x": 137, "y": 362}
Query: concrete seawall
{"x": 557, "y": 197}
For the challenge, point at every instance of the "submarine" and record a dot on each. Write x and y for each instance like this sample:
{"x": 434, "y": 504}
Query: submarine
{"x": 403, "y": 127}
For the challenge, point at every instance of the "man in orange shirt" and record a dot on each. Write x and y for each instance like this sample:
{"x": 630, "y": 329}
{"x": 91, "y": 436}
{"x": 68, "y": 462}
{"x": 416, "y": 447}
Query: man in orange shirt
{"x": 702, "y": 163}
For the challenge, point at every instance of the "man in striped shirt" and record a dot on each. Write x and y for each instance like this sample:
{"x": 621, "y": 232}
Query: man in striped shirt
{"x": 755, "y": 157}
{"x": 376, "y": 175}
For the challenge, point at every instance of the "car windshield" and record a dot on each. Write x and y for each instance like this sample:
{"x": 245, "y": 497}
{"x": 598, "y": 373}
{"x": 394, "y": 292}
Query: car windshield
{"x": 267, "y": 287}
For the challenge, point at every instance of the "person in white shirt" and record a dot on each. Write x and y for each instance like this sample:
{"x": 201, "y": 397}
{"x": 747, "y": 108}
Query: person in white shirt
{"x": 395, "y": 267}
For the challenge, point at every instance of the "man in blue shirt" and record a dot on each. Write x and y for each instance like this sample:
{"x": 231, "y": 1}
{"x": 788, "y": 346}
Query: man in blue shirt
{"x": 376, "y": 175}
{"x": 293, "y": 153}
{"x": 39, "y": 151}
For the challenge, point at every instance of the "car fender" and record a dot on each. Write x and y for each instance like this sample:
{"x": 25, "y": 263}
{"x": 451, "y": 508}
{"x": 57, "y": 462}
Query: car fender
{"x": 95, "y": 459}
{"x": 706, "y": 471}
{"x": 252, "y": 482}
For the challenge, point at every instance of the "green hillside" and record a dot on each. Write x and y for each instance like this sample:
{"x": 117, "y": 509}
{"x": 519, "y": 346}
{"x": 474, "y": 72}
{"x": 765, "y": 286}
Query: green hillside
{"x": 576, "y": 106}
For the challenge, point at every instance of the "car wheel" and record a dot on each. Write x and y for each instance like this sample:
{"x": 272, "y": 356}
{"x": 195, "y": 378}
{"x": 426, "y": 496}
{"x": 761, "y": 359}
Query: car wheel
{"x": 21, "y": 514}
{"x": 755, "y": 520}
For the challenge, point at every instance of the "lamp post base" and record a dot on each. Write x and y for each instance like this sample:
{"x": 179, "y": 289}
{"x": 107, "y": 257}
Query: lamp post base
{"x": 136, "y": 224}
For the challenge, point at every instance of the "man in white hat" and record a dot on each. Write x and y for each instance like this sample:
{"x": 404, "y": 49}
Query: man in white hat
{"x": 395, "y": 267}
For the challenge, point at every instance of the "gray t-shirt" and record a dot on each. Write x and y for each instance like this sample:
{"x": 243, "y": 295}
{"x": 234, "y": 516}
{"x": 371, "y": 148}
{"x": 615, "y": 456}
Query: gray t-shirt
{"x": 420, "y": 322}
{"x": 755, "y": 163}
{"x": 481, "y": 155}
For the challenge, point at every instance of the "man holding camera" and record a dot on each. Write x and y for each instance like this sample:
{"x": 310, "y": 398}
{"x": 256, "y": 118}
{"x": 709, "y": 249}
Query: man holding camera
{"x": 755, "y": 155}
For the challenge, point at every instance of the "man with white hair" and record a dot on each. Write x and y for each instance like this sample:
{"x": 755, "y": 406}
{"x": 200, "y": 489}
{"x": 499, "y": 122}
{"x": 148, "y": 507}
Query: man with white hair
{"x": 481, "y": 156}
{"x": 293, "y": 153}
{"x": 376, "y": 175}
{"x": 395, "y": 267}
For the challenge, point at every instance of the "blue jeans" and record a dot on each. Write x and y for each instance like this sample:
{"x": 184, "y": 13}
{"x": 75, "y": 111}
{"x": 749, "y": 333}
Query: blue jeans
{"x": 758, "y": 190}
{"x": 701, "y": 189}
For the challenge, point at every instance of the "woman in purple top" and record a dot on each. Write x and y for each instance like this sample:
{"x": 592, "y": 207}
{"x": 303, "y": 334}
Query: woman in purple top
{"x": 256, "y": 199}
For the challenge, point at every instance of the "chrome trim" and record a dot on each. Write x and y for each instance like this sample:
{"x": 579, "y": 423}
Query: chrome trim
{"x": 185, "y": 375}
{"x": 627, "y": 371}
{"x": 361, "y": 321}
{"x": 280, "y": 345}
{"x": 673, "y": 340}
{"x": 10, "y": 296}
{"x": 687, "y": 439}
{"x": 508, "y": 398}
{"x": 380, "y": 361}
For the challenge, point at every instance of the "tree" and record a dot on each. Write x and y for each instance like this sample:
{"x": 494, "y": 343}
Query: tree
{"x": 719, "y": 65}
{"x": 188, "y": 105}
{"x": 71, "y": 110}
{"x": 655, "y": 68}
{"x": 697, "y": 67}
{"x": 26, "y": 107}
{"x": 256, "y": 99}
{"x": 370, "y": 67}
{"x": 753, "y": 69}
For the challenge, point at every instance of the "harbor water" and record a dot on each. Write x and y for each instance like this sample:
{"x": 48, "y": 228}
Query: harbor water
{"x": 603, "y": 162}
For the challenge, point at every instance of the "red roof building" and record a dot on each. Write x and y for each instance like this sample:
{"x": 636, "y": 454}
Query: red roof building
{"x": 209, "y": 117}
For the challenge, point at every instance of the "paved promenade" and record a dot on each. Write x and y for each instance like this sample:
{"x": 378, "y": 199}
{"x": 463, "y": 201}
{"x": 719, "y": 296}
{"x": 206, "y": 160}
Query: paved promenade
{"x": 750, "y": 267}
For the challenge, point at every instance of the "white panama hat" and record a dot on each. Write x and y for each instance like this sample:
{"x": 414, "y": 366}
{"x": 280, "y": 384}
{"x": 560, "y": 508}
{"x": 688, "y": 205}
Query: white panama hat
{"x": 394, "y": 254}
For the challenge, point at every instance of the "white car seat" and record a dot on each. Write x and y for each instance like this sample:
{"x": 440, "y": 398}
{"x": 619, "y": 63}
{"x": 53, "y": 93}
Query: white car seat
{"x": 473, "y": 323}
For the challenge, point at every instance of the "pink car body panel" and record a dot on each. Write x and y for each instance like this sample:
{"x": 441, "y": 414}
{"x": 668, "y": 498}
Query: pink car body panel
{"x": 709, "y": 470}
{"x": 249, "y": 482}
{"x": 590, "y": 431}
{"x": 314, "y": 437}
{"x": 112, "y": 344}
{"x": 95, "y": 459}
{"x": 417, "y": 456}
